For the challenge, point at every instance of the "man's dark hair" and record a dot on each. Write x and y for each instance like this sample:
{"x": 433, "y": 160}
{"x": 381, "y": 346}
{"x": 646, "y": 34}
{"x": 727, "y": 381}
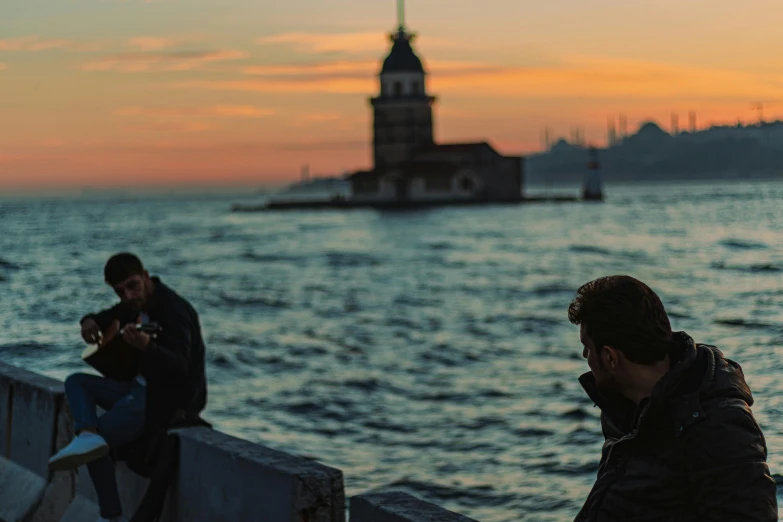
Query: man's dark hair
{"x": 121, "y": 266}
{"x": 624, "y": 313}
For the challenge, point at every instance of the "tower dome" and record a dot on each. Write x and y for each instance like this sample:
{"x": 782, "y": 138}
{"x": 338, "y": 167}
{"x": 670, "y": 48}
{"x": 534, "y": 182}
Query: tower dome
{"x": 402, "y": 57}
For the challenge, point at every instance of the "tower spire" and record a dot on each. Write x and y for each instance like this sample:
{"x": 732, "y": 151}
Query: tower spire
{"x": 401, "y": 13}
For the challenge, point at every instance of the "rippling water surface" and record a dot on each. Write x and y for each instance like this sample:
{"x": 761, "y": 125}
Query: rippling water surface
{"x": 427, "y": 351}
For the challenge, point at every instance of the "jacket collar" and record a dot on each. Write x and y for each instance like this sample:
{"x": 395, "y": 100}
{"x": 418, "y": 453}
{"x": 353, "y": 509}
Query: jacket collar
{"x": 620, "y": 413}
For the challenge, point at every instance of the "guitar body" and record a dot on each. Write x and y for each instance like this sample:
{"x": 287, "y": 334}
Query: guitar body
{"x": 113, "y": 357}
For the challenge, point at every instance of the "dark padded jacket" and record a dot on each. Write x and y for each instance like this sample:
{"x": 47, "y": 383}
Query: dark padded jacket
{"x": 691, "y": 452}
{"x": 173, "y": 364}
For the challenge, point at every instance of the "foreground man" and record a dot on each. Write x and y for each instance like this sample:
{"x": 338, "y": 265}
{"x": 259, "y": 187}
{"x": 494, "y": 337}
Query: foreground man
{"x": 171, "y": 381}
{"x": 681, "y": 441}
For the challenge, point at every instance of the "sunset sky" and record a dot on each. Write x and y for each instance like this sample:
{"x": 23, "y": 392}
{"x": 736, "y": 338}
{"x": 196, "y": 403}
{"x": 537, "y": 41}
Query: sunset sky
{"x": 132, "y": 92}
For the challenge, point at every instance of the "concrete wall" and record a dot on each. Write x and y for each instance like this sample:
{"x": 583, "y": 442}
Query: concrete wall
{"x": 220, "y": 478}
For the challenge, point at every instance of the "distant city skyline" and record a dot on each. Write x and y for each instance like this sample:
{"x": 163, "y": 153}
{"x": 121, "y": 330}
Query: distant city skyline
{"x": 132, "y": 92}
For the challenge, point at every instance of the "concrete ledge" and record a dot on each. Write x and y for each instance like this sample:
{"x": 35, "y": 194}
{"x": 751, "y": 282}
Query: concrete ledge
{"x": 222, "y": 478}
{"x": 132, "y": 488}
{"x": 21, "y": 491}
{"x": 30, "y": 426}
{"x": 34, "y": 423}
{"x": 399, "y": 507}
{"x": 81, "y": 510}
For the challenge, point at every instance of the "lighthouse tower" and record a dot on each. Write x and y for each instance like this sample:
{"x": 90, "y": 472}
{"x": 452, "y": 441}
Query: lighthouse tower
{"x": 592, "y": 190}
{"x": 402, "y": 112}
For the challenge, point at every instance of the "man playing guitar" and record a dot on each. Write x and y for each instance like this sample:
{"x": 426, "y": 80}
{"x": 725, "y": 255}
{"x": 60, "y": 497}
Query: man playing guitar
{"x": 168, "y": 375}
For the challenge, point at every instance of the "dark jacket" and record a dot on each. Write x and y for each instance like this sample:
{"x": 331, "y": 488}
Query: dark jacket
{"x": 173, "y": 364}
{"x": 691, "y": 452}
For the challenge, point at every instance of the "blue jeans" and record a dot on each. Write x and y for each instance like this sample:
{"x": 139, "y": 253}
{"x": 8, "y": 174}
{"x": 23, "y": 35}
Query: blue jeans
{"x": 123, "y": 422}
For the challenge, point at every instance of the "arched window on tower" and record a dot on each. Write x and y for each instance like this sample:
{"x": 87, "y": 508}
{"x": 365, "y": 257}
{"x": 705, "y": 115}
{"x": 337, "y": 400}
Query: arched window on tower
{"x": 398, "y": 88}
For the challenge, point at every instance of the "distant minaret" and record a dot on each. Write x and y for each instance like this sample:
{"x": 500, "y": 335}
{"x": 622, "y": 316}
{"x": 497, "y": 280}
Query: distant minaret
{"x": 675, "y": 124}
{"x": 611, "y": 133}
{"x": 692, "y": 122}
{"x": 592, "y": 190}
{"x": 623, "y": 127}
{"x": 403, "y": 109}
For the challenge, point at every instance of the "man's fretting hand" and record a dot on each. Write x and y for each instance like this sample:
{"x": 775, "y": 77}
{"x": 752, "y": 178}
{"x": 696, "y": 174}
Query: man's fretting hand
{"x": 134, "y": 337}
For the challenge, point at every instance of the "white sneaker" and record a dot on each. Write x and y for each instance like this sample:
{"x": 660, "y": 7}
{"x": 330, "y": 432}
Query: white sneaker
{"x": 115, "y": 519}
{"x": 85, "y": 448}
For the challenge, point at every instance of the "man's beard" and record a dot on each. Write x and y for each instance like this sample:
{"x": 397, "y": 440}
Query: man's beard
{"x": 137, "y": 305}
{"x": 607, "y": 382}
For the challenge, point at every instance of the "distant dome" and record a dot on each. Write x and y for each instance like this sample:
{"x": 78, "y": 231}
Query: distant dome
{"x": 562, "y": 146}
{"x": 402, "y": 58}
{"x": 651, "y": 128}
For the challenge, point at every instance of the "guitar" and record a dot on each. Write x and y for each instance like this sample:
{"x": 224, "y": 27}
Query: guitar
{"x": 113, "y": 357}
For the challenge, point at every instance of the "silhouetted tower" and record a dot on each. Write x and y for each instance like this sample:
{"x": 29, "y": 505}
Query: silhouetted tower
{"x": 759, "y": 106}
{"x": 592, "y": 190}
{"x": 692, "y": 122}
{"x": 611, "y": 133}
{"x": 545, "y": 139}
{"x": 577, "y": 136}
{"x": 675, "y": 124}
{"x": 403, "y": 110}
{"x": 623, "y": 127}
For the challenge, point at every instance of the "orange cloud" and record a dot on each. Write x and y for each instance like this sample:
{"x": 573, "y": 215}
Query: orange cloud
{"x": 600, "y": 78}
{"x": 161, "y": 61}
{"x": 32, "y": 44}
{"x": 351, "y": 43}
{"x": 173, "y": 127}
{"x": 574, "y": 78}
{"x": 357, "y": 69}
{"x": 334, "y": 121}
{"x": 304, "y": 85}
{"x": 241, "y": 111}
{"x": 225, "y": 111}
{"x": 321, "y": 117}
{"x": 3, "y": 66}
{"x": 357, "y": 43}
{"x": 151, "y": 43}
